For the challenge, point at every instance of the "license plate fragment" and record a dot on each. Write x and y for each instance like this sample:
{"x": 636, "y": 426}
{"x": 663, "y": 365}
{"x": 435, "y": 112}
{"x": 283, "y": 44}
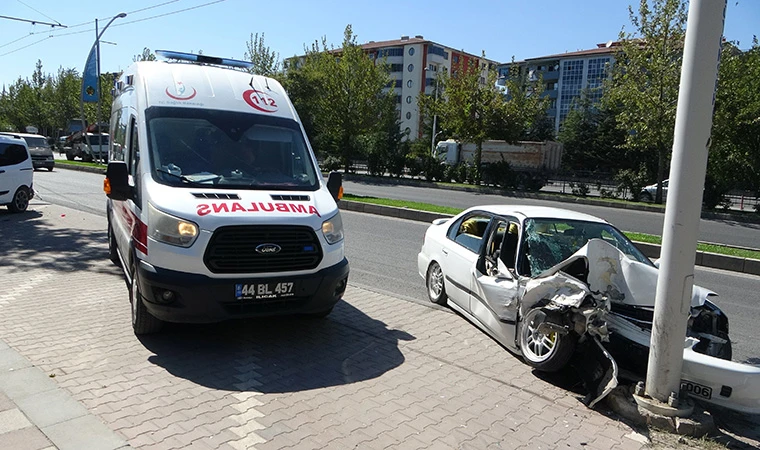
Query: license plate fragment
{"x": 259, "y": 291}
{"x": 696, "y": 389}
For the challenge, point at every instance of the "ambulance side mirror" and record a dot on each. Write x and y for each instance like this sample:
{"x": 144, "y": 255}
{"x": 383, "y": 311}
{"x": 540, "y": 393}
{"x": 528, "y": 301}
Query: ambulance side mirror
{"x": 335, "y": 185}
{"x": 116, "y": 185}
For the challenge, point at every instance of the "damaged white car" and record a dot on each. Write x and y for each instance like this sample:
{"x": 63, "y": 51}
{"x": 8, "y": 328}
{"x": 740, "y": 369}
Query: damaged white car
{"x": 554, "y": 285}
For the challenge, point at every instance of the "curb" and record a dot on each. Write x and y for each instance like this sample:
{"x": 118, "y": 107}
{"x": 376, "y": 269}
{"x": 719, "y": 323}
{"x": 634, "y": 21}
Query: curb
{"x": 704, "y": 259}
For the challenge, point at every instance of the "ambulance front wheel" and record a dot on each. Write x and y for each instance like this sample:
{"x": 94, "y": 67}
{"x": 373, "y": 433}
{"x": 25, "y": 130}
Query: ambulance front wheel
{"x": 143, "y": 322}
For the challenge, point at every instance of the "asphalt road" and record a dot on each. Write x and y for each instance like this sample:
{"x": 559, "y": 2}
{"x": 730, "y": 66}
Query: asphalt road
{"x": 718, "y": 231}
{"x": 383, "y": 251}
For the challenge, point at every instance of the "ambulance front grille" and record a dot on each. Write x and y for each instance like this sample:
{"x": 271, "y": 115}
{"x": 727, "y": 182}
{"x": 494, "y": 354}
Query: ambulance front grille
{"x": 232, "y": 249}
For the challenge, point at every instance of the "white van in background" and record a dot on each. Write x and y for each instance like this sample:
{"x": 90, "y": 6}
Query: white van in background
{"x": 216, "y": 206}
{"x": 16, "y": 173}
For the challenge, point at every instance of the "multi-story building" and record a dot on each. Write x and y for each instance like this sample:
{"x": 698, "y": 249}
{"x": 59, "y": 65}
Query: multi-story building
{"x": 566, "y": 75}
{"x": 415, "y": 63}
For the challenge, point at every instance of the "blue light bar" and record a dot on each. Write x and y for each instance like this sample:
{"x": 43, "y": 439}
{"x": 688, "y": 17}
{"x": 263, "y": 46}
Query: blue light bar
{"x": 180, "y": 56}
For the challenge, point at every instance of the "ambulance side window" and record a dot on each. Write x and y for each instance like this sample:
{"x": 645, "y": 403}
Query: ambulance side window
{"x": 134, "y": 158}
{"x": 134, "y": 148}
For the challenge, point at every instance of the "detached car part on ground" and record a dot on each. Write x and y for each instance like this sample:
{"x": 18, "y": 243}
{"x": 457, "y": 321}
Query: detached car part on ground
{"x": 563, "y": 288}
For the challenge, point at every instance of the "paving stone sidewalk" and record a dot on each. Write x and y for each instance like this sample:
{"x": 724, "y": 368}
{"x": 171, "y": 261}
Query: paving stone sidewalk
{"x": 378, "y": 373}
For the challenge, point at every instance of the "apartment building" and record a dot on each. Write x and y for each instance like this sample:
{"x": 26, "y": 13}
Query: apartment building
{"x": 566, "y": 75}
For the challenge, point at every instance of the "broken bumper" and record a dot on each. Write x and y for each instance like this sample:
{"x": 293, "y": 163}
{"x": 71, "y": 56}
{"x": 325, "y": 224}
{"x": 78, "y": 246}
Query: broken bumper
{"x": 724, "y": 383}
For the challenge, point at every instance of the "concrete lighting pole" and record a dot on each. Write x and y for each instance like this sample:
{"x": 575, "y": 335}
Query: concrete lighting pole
{"x": 96, "y": 49}
{"x": 696, "y": 99}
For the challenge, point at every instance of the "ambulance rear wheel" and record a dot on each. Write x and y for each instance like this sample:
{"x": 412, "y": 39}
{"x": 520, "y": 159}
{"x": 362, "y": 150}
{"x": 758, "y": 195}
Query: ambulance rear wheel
{"x": 142, "y": 320}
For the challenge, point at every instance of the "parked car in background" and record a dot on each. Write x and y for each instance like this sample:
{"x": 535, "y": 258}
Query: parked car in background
{"x": 555, "y": 285}
{"x": 16, "y": 173}
{"x": 42, "y": 154}
{"x": 649, "y": 193}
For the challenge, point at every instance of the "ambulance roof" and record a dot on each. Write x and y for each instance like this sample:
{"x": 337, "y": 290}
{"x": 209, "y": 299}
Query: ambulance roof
{"x": 194, "y": 85}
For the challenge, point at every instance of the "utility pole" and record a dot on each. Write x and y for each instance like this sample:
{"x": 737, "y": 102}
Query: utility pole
{"x": 701, "y": 59}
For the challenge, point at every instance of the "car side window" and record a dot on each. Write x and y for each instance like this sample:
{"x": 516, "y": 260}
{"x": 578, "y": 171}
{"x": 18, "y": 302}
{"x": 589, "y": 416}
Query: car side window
{"x": 11, "y": 154}
{"x": 470, "y": 230}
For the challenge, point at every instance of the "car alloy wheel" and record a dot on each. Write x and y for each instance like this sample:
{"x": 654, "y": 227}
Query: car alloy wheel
{"x": 435, "y": 287}
{"x": 547, "y": 352}
{"x": 20, "y": 200}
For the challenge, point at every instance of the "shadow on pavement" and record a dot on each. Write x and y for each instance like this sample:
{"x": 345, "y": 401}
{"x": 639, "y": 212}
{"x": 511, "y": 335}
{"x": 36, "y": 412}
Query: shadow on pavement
{"x": 30, "y": 242}
{"x": 280, "y": 354}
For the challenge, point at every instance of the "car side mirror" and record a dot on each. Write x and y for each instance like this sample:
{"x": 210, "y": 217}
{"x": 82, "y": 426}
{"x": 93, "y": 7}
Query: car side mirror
{"x": 335, "y": 185}
{"x": 116, "y": 185}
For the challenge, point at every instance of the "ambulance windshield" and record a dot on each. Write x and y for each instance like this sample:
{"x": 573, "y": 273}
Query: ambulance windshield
{"x": 228, "y": 150}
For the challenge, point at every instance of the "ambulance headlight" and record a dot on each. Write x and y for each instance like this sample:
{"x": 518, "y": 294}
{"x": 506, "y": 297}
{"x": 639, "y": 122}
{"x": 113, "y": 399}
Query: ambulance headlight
{"x": 332, "y": 228}
{"x": 169, "y": 229}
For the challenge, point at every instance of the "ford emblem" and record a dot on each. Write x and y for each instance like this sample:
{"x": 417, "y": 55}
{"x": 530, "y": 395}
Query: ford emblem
{"x": 268, "y": 249}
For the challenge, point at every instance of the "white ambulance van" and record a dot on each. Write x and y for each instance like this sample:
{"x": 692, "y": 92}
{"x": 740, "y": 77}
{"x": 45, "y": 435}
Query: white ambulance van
{"x": 216, "y": 206}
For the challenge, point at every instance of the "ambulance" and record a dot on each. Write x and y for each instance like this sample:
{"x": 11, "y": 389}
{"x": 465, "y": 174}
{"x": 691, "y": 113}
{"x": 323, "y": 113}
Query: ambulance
{"x": 216, "y": 206}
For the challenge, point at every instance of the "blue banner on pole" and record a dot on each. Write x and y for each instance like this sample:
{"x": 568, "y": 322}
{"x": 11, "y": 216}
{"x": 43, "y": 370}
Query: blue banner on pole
{"x": 90, "y": 91}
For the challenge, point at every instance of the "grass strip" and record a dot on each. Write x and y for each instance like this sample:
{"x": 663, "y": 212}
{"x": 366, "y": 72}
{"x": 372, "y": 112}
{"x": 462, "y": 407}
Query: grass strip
{"x": 634, "y": 236}
{"x": 66, "y": 162}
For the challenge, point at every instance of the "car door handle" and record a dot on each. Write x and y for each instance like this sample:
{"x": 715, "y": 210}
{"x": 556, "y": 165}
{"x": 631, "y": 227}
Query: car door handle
{"x": 444, "y": 251}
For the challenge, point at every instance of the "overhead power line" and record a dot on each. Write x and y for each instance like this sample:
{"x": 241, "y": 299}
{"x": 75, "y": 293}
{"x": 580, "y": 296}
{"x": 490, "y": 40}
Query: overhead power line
{"x": 61, "y": 34}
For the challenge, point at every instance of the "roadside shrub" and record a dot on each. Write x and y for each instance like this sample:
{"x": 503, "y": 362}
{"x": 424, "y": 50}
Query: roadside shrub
{"x": 608, "y": 193}
{"x": 414, "y": 166}
{"x": 500, "y": 174}
{"x": 432, "y": 168}
{"x": 580, "y": 189}
{"x": 631, "y": 181}
{"x": 398, "y": 159}
{"x": 332, "y": 163}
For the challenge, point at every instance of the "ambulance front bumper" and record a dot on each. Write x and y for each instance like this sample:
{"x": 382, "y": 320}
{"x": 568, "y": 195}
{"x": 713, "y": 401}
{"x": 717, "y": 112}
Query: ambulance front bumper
{"x": 191, "y": 298}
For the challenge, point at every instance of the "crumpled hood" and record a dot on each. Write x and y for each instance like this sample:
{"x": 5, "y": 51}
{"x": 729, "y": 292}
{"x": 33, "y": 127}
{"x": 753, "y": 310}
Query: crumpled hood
{"x": 613, "y": 274}
{"x": 212, "y": 208}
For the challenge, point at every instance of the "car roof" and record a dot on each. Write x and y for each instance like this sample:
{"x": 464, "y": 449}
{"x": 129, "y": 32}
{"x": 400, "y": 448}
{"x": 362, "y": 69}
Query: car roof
{"x": 13, "y": 137}
{"x": 22, "y": 134}
{"x": 537, "y": 212}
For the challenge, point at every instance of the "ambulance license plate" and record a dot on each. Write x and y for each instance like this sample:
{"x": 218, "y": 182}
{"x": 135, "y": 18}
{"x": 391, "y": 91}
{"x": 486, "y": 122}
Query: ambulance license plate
{"x": 697, "y": 390}
{"x": 259, "y": 291}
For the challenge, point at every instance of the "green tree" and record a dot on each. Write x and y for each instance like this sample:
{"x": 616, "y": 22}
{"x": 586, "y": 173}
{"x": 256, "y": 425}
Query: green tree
{"x": 146, "y": 55}
{"x": 342, "y": 93}
{"x": 592, "y": 138}
{"x": 64, "y": 102}
{"x": 645, "y": 80}
{"x": 734, "y": 158}
{"x": 265, "y": 61}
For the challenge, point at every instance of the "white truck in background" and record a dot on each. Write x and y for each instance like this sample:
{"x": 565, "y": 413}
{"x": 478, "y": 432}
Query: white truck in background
{"x": 525, "y": 156}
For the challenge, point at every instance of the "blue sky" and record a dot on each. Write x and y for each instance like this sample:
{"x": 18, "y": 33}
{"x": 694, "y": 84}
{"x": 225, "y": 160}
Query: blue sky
{"x": 502, "y": 28}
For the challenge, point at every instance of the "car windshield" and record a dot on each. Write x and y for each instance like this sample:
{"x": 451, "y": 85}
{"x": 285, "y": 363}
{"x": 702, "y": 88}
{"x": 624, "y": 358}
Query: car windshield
{"x": 35, "y": 141}
{"x": 98, "y": 139}
{"x": 228, "y": 150}
{"x": 548, "y": 242}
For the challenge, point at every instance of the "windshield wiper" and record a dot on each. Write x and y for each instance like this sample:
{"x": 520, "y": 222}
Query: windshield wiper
{"x": 187, "y": 180}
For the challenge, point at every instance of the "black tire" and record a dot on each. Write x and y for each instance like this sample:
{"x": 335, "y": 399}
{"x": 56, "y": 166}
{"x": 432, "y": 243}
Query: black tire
{"x": 87, "y": 158}
{"x": 70, "y": 156}
{"x": 50, "y": 169}
{"x": 646, "y": 197}
{"x": 547, "y": 353}
{"x": 142, "y": 321}
{"x": 113, "y": 255}
{"x": 20, "y": 200}
{"x": 435, "y": 286}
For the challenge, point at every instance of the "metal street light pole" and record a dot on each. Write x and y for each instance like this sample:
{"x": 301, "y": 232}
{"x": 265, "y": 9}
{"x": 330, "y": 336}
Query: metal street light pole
{"x": 435, "y": 116}
{"x": 96, "y": 48}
